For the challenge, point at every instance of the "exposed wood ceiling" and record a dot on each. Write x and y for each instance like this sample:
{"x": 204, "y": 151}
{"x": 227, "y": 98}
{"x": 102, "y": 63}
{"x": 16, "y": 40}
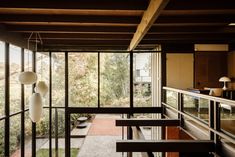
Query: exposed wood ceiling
{"x": 111, "y": 24}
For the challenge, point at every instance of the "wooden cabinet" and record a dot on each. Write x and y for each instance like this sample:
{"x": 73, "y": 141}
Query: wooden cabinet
{"x": 209, "y": 67}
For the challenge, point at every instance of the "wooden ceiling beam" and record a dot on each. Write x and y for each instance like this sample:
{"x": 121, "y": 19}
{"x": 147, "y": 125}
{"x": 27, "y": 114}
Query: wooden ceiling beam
{"x": 190, "y": 30}
{"x": 55, "y": 24}
{"x": 199, "y": 36}
{"x": 51, "y": 11}
{"x": 150, "y": 15}
{"x": 196, "y": 19}
{"x": 72, "y": 29}
{"x": 87, "y": 42}
{"x": 69, "y": 18}
{"x": 78, "y": 35}
{"x": 75, "y": 4}
{"x": 196, "y": 5}
{"x": 82, "y": 48}
{"x": 197, "y": 12}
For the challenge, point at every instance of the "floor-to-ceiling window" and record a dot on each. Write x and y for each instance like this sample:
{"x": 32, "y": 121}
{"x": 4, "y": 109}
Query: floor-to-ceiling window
{"x": 15, "y": 98}
{"x": 96, "y": 79}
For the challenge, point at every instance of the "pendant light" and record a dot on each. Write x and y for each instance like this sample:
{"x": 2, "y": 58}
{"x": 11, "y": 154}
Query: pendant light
{"x": 36, "y": 101}
{"x": 35, "y": 107}
{"x": 28, "y": 77}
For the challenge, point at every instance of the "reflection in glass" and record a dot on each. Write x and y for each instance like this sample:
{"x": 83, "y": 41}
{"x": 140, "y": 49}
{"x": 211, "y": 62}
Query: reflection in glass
{"x": 27, "y": 67}
{"x": 142, "y": 79}
{"x": 15, "y": 86}
{"x": 114, "y": 80}
{"x": 42, "y": 63}
{"x": 197, "y": 107}
{"x": 227, "y": 119}
{"x": 171, "y": 98}
{"x": 83, "y": 79}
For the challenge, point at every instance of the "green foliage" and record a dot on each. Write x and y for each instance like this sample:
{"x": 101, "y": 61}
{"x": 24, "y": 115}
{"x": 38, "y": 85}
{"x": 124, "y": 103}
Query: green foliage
{"x": 114, "y": 78}
{"x": 61, "y": 152}
{"x": 83, "y": 80}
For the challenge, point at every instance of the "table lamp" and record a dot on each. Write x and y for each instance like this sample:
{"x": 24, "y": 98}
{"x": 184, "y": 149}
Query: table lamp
{"x": 224, "y": 79}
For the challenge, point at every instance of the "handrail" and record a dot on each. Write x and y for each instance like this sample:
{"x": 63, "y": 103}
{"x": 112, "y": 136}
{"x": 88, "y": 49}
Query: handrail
{"x": 202, "y": 124}
{"x": 213, "y": 125}
{"x": 213, "y": 98}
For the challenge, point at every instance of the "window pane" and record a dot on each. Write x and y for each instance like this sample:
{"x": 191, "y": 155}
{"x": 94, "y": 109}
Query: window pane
{"x": 28, "y": 135}
{"x": 15, "y": 86}
{"x": 58, "y": 79}
{"x": 58, "y": 117}
{"x": 42, "y": 63}
{"x": 2, "y": 78}
{"x": 27, "y": 67}
{"x": 42, "y": 131}
{"x": 83, "y": 79}
{"x": 142, "y": 79}
{"x": 2, "y": 137}
{"x": 15, "y": 135}
{"x": 114, "y": 79}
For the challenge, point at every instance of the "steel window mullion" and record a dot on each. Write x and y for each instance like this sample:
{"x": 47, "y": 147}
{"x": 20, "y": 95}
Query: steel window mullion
{"x": 22, "y": 108}
{"x": 33, "y": 124}
{"x": 98, "y": 79}
{"x": 7, "y": 109}
{"x": 67, "y": 115}
{"x": 50, "y": 105}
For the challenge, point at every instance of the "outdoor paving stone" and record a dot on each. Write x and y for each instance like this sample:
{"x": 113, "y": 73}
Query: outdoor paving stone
{"x": 75, "y": 143}
{"x": 100, "y": 146}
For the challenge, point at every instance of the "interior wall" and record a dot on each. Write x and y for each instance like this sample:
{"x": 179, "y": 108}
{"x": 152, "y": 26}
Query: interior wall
{"x": 179, "y": 67}
{"x": 231, "y": 68}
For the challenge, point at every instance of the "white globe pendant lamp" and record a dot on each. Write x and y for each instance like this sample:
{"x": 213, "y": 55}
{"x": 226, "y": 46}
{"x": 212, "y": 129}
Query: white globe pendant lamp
{"x": 35, "y": 107}
{"x": 42, "y": 88}
{"x": 28, "y": 77}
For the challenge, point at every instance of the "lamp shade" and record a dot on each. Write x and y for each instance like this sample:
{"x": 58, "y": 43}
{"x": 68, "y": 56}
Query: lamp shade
{"x": 224, "y": 79}
{"x": 27, "y": 77}
{"x": 35, "y": 107}
{"x": 42, "y": 88}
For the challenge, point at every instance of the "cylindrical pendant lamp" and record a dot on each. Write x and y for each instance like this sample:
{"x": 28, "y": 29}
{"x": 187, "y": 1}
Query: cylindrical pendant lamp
{"x": 35, "y": 107}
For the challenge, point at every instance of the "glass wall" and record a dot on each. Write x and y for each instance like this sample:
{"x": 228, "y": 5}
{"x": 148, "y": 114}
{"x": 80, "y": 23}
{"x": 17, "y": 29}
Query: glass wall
{"x": 142, "y": 79}
{"x": 42, "y": 127}
{"x": 95, "y": 79}
{"x": 83, "y": 79}
{"x": 114, "y": 79}
{"x": 15, "y": 86}
{"x": 58, "y": 79}
{"x": 15, "y": 132}
{"x": 16, "y": 111}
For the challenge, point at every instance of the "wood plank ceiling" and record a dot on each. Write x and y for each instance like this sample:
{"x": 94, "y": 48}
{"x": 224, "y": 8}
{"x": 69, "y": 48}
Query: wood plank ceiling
{"x": 111, "y": 24}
